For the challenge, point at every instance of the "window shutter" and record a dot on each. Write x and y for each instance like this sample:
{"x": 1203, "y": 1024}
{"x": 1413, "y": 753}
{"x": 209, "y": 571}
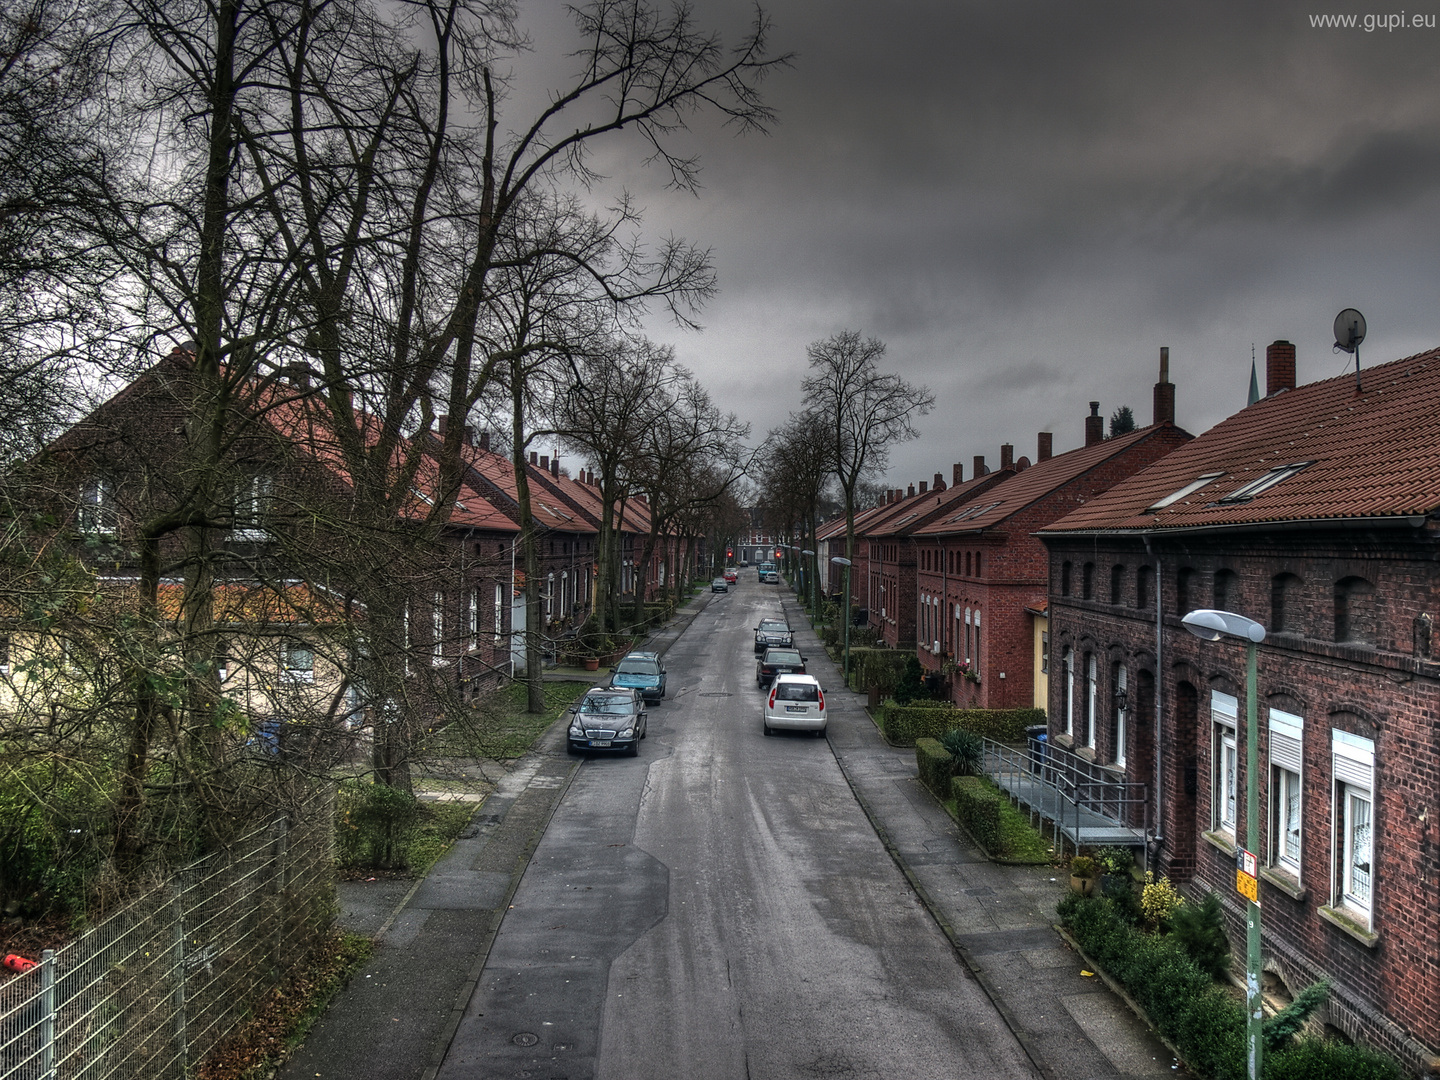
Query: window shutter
{"x": 1287, "y": 733}
{"x": 1354, "y": 759}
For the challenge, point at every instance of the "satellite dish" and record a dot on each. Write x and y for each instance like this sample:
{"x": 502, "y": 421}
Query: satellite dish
{"x": 1349, "y": 330}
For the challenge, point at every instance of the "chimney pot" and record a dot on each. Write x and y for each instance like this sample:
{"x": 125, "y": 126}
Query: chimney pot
{"x": 1164, "y": 401}
{"x": 957, "y": 474}
{"x": 980, "y": 469}
{"x": 468, "y": 435}
{"x": 1045, "y": 446}
{"x": 924, "y": 487}
{"x": 1007, "y": 456}
{"x": 544, "y": 462}
{"x": 910, "y": 492}
{"x": 555, "y": 467}
{"x": 534, "y": 457}
{"x": 1279, "y": 367}
{"x": 1094, "y": 425}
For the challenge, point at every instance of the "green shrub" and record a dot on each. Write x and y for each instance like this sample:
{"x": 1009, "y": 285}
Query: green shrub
{"x": 966, "y": 750}
{"x": 1199, "y": 929}
{"x": 977, "y": 804}
{"x": 1321, "y": 1059}
{"x": 1282, "y": 1028}
{"x": 904, "y": 724}
{"x": 876, "y": 667}
{"x": 373, "y": 824}
{"x": 935, "y": 766}
{"x": 911, "y": 684}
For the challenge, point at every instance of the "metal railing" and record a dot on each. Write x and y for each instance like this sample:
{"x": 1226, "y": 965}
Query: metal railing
{"x": 1082, "y": 801}
{"x": 159, "y": 984}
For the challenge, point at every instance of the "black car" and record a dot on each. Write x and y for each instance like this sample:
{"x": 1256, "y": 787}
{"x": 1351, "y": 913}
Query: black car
{"x": 607, "y": 718}
{"x": 778, "y": 662}
{"x": 773, "y": 633}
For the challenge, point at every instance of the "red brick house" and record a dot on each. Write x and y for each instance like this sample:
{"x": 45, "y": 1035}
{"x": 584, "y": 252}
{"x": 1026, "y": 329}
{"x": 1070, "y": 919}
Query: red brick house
{"x": 1315, "y": 511}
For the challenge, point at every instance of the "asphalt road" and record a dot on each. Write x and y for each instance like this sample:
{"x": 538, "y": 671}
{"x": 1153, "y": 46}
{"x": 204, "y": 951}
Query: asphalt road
{"x": 721, "y": 908}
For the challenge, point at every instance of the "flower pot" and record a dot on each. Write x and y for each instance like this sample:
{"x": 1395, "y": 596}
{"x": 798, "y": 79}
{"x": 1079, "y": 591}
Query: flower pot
{"x": 1082, "y": 886}
{"x": 592, "y": 663}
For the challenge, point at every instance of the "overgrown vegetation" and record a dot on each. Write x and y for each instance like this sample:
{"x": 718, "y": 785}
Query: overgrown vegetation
{"x": 902, "y": 725}
{"x": 500, "y": 728}
{"x": 1196, "y": 1013}
{"x": 380, "y": 828}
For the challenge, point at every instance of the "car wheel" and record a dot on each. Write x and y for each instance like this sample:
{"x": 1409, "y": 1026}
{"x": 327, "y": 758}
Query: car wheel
{"x": 634, "y": 748}
{"x": 767, "y": 730}
{"x": 820, "y": 733}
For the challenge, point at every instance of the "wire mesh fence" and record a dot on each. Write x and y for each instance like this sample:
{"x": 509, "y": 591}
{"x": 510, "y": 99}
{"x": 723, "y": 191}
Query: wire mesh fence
{"x": 149, "y": 992}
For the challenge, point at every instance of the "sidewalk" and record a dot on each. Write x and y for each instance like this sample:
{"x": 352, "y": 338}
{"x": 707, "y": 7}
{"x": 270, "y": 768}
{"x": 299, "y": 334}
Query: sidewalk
{"x": 395, "y": 1019}
{"x": 1000, "y": 919}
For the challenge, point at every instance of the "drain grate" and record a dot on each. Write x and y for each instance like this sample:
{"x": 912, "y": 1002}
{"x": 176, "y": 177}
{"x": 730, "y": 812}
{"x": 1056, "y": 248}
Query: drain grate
{"x": 716, "y": 693}
{"x": 525, "y": 1038}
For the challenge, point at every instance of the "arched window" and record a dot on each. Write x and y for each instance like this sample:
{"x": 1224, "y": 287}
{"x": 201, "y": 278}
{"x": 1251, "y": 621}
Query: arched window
{"x": 1065, "y": 578}
{"x": 1225, "y": 590}
{"x": 1087, "y": 582}
{"x": 1092, "y": 698}
{"x": 1184, "y": 586}
{"x": 1120, "y": 680}
{"x": 1117, "y": 583}
{"x": 1145, "y": 586}
{"x": 1068, "y": 712}
{"x": 1284, "y": 606}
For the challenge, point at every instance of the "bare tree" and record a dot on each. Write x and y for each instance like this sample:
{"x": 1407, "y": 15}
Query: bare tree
{"x": 862, "y": 410}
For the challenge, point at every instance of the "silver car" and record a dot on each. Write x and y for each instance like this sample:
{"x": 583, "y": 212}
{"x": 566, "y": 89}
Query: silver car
{"x": 795, "y": 703}
{"x": 607, "y": 718}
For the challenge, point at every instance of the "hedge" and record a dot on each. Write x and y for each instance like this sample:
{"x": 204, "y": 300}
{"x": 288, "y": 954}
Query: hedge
{"x": 1194, "y": 1012}
{"x": 903, "y": 724}
{"x": 977, "y": 805}
{"x": 877, "y": 667}
{"x": 935, "y": 766}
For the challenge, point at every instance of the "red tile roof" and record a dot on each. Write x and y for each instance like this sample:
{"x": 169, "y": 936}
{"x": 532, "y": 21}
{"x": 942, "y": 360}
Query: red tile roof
{"x": 1370, "y": 454}
{"x": 924, "y": 508}
{"x": 1036, "y": 482}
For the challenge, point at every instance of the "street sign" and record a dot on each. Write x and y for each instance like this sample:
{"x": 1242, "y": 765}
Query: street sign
{"x": 1247, "y": 877}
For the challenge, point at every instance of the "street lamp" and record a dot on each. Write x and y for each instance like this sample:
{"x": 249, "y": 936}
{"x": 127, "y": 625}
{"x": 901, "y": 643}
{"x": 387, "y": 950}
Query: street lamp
{"x": 840, "y": 561}
{"x": 814, "y": 585}
{"x": 1210, "y": 625}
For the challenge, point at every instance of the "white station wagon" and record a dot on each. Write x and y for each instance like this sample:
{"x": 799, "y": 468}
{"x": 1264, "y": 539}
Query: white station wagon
{"x": 795, "y": 703}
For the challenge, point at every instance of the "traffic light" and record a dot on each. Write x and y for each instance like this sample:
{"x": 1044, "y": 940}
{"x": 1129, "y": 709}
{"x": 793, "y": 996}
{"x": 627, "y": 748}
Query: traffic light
{"x": 779, "y": 553}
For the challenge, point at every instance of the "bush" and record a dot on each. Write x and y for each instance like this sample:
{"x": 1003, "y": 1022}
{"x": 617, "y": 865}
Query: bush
{"x": 876, "y": 667}
{"x": 966, "y": 750}
{"x": 1199, "y": 929}
{"x": 977, "y": 805}
{"x": 1159, "y": 900}
{"x": 911, "y": 684}
{"x": 374, "y": 822}
{"x": 1319, "y": 1059}
{"x": 904, "y": 724}
{"x": 935, "y": 767}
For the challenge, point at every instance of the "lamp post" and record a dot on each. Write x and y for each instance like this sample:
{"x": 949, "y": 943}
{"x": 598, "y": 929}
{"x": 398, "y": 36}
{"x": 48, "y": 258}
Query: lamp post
{"x": 814, "y": 585}
{"x": 841, "y": 561}
{"x": 1210, "y": 625}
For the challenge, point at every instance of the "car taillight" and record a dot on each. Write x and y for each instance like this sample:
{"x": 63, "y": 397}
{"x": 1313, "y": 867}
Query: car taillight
{"x": 772, "y": 698}
{"x": 821, "y": 694}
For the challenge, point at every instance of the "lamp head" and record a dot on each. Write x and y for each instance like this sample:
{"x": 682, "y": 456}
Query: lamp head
{"x": 1209, "y": 624}
{"x": 839, "y": 560}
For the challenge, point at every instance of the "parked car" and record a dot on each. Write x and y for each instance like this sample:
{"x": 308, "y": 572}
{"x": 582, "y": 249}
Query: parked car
{"x": 719, "y": 585}
{"x": 607, "y": 718}
{"x": 773, "y": 632}
{"x": 778, "y": 662}
{"x": 767, "y": 573}
{"x": 795, "y": 703}
{"x": 640, "y": 671}
{"x": 732, "y": 575}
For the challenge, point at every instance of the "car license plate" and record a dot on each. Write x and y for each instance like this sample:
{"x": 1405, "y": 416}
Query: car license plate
{"x": 599, "y": 742}
{"x": 796, "y": 708}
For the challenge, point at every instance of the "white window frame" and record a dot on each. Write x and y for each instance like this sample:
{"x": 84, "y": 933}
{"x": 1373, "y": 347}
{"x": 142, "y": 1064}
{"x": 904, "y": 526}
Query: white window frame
{"x": 1092, "y": 697}
{"x": 96, "y": 515}
{"x": 1353, "y": 885}
{"x": 1287, "y": 792}
{"x": 252, "y": 506}
{"x": 290, "y": 671}
{"x": 474, "y": 627}
{"x": 437, "y": 630}
{"x": 1224, "y": 764}
{"x": 1069, "y": 663}
{"x": 1121, "y": 683}
{"x": 499, "y": 612}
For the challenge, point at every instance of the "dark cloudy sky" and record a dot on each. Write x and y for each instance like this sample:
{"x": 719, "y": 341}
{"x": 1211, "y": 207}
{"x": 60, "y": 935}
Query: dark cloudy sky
{"x": 1025, "y": 200}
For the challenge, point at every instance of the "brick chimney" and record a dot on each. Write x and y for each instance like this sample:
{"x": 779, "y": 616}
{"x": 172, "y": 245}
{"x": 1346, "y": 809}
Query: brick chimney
{"x": 1279, "y": 367}
{"x": 1164, "y": 408}
{"x": 957, "y": 474}
{"x": 980, "y": 469}
{"x": 544, "y": 462}
{"x": 1094, "y": 425}
{"x": 910, "y": 492}
{"x": 555, "y": 467}
{"x": 939, "y": 484}
{"x": 534, "y": 457}
{"x": 1044, "y": 446}
{"x": 467, "y": 435}
{"x": 485, "y": 440}
{"x": 1007, "y": 456}
{"x": 924, "y": 487}
{"x": 442, "y": 424}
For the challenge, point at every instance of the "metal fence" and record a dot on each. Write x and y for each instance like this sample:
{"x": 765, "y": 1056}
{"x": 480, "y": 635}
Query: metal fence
{"x": 149, "y": 992}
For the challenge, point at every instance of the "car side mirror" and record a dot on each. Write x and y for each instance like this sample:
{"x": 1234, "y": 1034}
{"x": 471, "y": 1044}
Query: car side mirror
{"x": 804, "y": 659}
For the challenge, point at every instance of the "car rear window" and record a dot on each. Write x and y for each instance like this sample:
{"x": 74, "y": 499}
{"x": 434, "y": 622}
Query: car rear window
{"x": 797, "y": 692}
{"x": 638, "y": 667}
{"x": 782, "y": 656}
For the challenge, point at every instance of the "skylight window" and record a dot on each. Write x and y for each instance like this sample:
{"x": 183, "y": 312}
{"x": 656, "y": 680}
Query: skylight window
{"x": 1188, "y": 489}
{"x": 1264, "y": 482}
{"x": 974, "y": 511}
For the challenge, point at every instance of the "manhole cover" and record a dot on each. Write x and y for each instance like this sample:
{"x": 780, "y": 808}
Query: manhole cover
{"x": 716, "y": 693}
{"x": 525, "y": 1038}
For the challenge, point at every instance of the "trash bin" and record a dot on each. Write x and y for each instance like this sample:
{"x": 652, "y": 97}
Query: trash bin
{"x": 1036, "y": 738}
{"x": 860, "y": 617}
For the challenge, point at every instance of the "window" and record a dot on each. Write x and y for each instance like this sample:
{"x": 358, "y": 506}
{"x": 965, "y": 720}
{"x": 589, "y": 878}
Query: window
{"x": 1284, "y": 611}
{"x": 1065, "y": 578}
{"x": 1225, "y": 591}
{"x": 96, "y": 514}
{"x": 4, "y": 654}
{"x": 1287, "y": 736}
{"x": 1264, "y": 482}
{"x": 1087, "y": 582}
{"x": 1092, "y": 694}
{"x": 1354, "y": 810}
{"x": 1354, "y": 611}
{"x": 1122, "y": 709}
{"x": 437, "y": 630}
{"x": 474, "y": 621}
{"x": 1184, "y": 581}
{"x": 968, "y": 651}
{"x": 1117, "y": 583}
{"x": 297, "y": 662}
{"x": 499, "y": 611}
{"x": 1144, "y": 586}
{"x": 977, "y": 639}
{"x": 1225, "y": 786}
{"x": 254, "y": 498}
{"x": 1188, "y": 489}
{"x": 1069, "y": 710}
{"x": 1044, "y": 652}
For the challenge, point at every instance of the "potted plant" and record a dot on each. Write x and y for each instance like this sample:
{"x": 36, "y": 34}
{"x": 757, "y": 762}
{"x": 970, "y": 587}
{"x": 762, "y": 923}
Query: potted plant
{"x": 1082, "y": 875}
